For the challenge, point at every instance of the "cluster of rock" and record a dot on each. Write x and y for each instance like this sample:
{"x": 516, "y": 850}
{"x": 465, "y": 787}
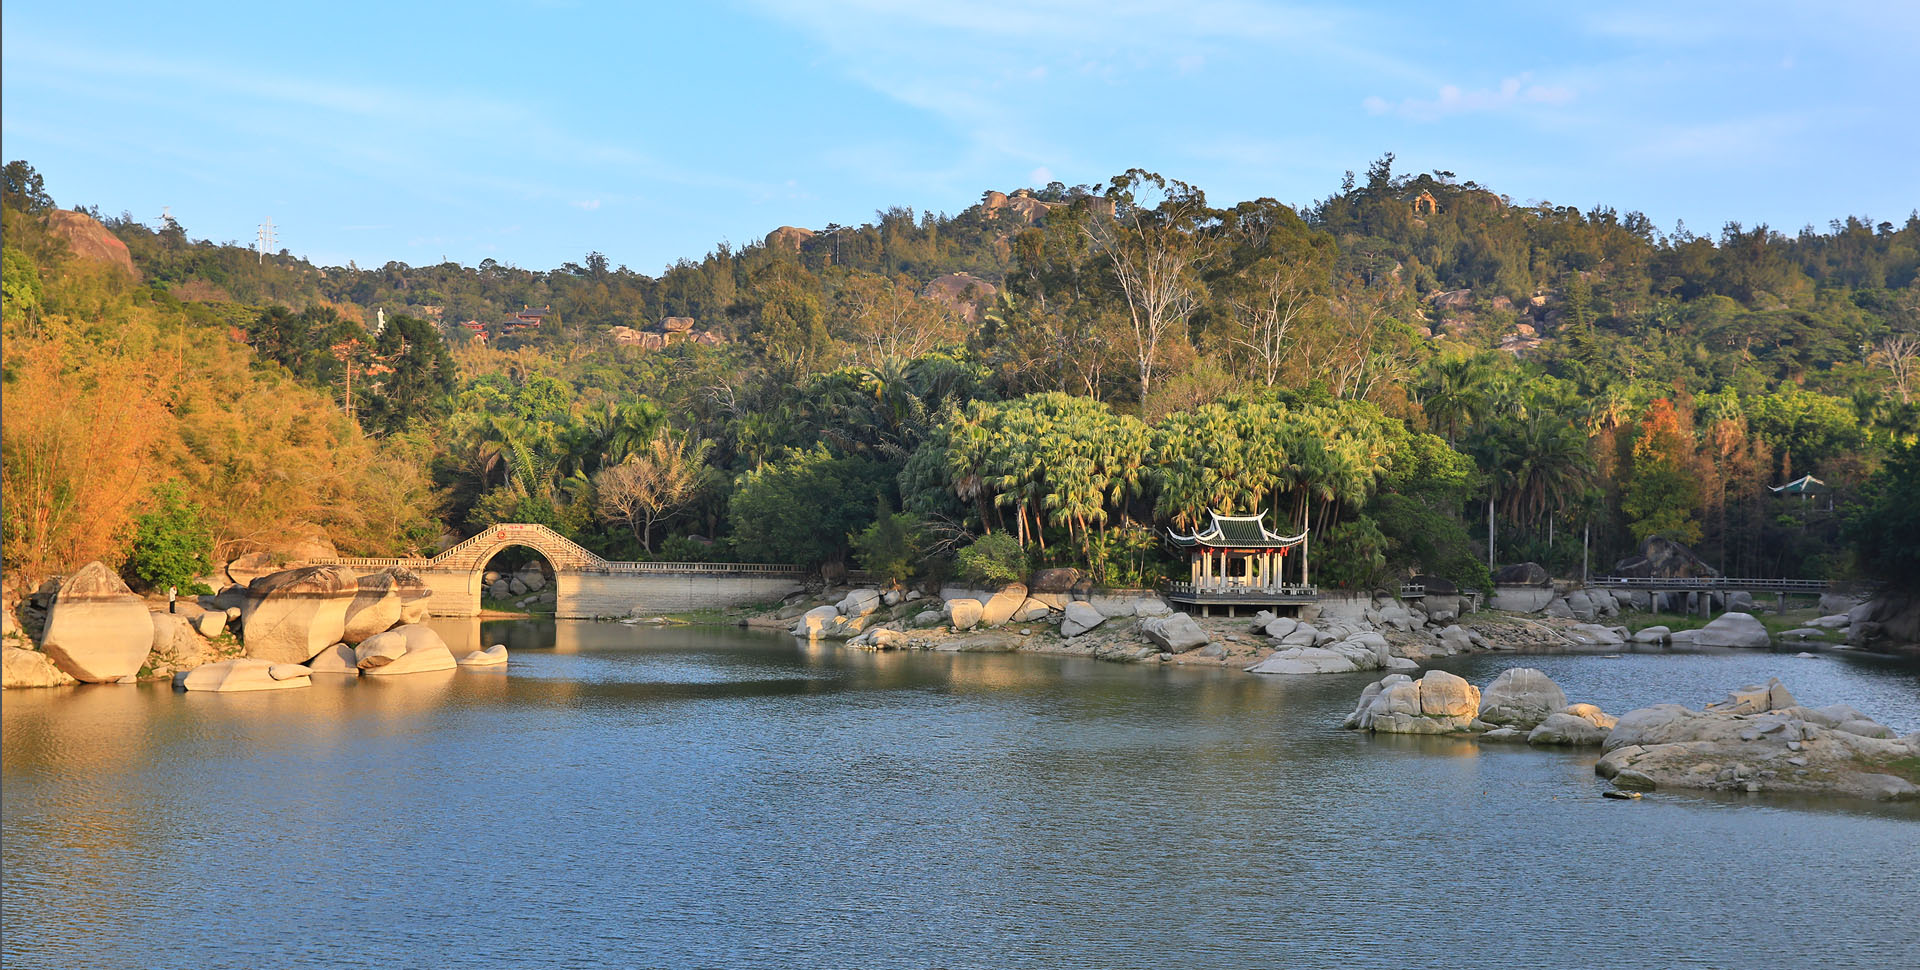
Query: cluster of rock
{"x": 1052, "y": 598}
{"x": 528, "y": 587}
{"x": 1522, "y": 704}
{"x": 271, "y": 634}
{"x": 1760, "y": 739}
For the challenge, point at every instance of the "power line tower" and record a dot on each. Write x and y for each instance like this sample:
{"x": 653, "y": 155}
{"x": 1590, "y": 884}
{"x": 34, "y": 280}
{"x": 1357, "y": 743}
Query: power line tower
{"x": 266, "y": 239}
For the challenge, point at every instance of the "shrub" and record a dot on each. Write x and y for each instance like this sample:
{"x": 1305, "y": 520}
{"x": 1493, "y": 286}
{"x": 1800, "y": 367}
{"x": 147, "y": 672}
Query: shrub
{"x": 891, "y": 547}
{"x": 171, "y": 544}
{"x": 994, "y": 560}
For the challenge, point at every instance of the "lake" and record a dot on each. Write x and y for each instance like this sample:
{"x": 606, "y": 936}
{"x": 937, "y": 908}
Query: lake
{"x": 706, "y": 797}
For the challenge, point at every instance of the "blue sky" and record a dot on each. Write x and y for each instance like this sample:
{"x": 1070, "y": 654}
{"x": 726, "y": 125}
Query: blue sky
{"x": 533, "y": 132}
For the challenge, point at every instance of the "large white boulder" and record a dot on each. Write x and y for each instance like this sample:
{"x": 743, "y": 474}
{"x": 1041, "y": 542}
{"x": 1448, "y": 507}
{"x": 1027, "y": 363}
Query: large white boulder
{"x": 1837, "y": 621}
{"x": 1653, "y": 634}
{"x": 1031, "y": 610}
{"x": 243, "y": 674}
{"x": 337, "y": 659}
{"x": 293, "y": 614}
{"x": 1304, "y": 660}
{"x": 1003, "y": 605}
{"x": 1080, "y": 617}
{"x": 1454, "y": 639}
{"x": 1575, "y": 724}
{"x": 1521, "y": 697}
{"x": 860, "y": 602}
{"x": 1438, "y": 703}
{"x": 407, "y": 649}
{"x": 965, "y": 613}
{"x": 815, "y": 620}
{"x": 1174, "y": 633}
{"x": 31, "y": 668}
{"x": 1733, "y": 630}
{"x": 1522, "y": 599}
{"x": 97, "y": 630}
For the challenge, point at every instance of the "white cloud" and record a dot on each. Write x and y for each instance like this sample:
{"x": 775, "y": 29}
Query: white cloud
{"x": 1451, "y": 99}
{"x": 589, "y": 205}
{"x": 1041, "y": 175}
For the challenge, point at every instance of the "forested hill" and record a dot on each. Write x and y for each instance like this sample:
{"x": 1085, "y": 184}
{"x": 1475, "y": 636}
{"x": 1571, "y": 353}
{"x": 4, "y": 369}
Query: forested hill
{"x": 1548, "y": 367}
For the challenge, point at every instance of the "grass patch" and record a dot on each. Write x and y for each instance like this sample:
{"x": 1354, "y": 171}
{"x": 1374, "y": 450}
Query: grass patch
{"x": 1908, "y": 768}
{"x": 1674, "y": 622}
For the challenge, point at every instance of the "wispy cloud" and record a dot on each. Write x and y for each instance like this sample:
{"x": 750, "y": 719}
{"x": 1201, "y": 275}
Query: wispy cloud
{"x": 1513, "y": 92}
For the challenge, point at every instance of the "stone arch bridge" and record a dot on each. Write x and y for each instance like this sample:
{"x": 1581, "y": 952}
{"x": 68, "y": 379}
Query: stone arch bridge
{"x": 586, "y": 585}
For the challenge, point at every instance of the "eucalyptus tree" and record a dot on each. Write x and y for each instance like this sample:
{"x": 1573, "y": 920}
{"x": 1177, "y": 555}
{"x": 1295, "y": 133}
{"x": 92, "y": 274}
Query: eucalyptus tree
{"x": 1275, "y": 274}
{"x": 1156, "y": 239}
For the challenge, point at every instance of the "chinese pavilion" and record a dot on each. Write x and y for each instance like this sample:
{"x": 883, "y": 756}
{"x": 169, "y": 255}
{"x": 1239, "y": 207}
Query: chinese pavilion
{"x": 1237, "y": 561}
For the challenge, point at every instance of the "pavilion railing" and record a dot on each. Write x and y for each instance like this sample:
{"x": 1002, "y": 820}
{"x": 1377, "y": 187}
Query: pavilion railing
{"x": 1202, "y": 589}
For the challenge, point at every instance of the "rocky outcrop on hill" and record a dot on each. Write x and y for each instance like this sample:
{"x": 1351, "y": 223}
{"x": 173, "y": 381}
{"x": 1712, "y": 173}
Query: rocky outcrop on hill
{"x": 1664, "y": 558}
{"x": 90, "y": 240}
{"x": 790, "y": 238}
{"x": 1760, "y": 739}
{"x": 97, "y": 630}
{"x": 966, "y": 295}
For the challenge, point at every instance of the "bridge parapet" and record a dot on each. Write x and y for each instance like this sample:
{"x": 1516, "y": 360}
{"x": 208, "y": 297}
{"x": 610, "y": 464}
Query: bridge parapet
{"x": 1711, "y": 583}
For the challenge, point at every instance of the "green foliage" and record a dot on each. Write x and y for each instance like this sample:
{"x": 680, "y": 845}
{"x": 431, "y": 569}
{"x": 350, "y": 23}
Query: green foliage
{"x": 19, "y": 284}
{"x": 1427, "y": 540}
{"x": 172, "y": 545}
{"x": 803, "y": 508}
{"x": 891, "y": 548}
{"x": 995, "y": 559}
{"x": 1885, "y": 527}
{"x": 1352, "y": 555}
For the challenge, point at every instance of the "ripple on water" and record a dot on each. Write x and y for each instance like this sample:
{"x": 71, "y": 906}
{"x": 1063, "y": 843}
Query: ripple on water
{"x": 716, "y": 798}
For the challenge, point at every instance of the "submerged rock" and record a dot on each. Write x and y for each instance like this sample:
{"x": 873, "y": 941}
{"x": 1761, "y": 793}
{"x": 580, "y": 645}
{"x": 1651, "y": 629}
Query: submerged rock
{"x": 243, "y": 674}
{"x": 491, "y": 657}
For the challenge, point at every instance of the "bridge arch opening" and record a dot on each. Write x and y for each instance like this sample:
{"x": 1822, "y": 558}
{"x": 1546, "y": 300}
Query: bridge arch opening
{"x": 515, "y": 577}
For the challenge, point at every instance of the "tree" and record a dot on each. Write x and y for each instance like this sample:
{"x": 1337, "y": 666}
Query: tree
{"x": 654, "y": 484}
{"x": 805, "y": 507}
{"x": 887, "y": 319}
{"x": 1277, "y": 274}
{"x": 1885, "y": 526}
{"x": 172, "y": 545}
{"x": 24, "y": 189}
{"x": 890, "y": 548}
{"x": 1662, "y": 493}
{"x": 1899, "y": 354}
{"x": 1152, "y": 242}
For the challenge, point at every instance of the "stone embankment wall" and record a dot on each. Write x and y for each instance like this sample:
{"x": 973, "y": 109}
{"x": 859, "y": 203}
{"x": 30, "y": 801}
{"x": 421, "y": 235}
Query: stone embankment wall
{"x": 589, "y": 594}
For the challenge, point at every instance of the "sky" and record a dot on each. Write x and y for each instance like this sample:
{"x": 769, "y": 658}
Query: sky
{"x": 531, "y": 133}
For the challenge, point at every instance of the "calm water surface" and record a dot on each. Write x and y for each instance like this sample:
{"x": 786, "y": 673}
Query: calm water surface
{"x": 714, "y": 798}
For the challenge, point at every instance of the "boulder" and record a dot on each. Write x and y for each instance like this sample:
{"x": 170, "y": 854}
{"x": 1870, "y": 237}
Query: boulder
{"x": 337, "y": 659}
{"x": 1438, "y": 703}
{"x": 1436, "y": 586}
{"x": 1837, "y": 621}
{"x": 243, "y": 674}
{"x": 1522, "y": 574}
{"x": 515, "y": 587}
{"x": 1001, "y": 607}
{"x": 1302, "y": 635}
{"x": 1521, "y": 697}
{"x": 1837, "y": 602}
{"x": 177, "y": 645}
{"x": 1575, "y": 724}
{"x": 1080, "y": 617}
{"x": 1031, "y": 610}
{"x": 1151, "y": 606}
{"x": 1061, "y": 580}
{"x": 1653, "y": 634}
{"x": 928, "y": 618}
{"x": 1397, "y": 617}
{"x": 97, "y": 630}
{"x": 1756, "y": 699}
{"x": 31, "y": 668}
{"x": 1595, "y": 635}
{"x": 211, "y": 624}
{"x": 293, "y": 614}
{"x": 965, "y": 613}
{"x": 407, "y": 649}
{"x": 533, "y": 579}
{"x": 1662, "y": 558}
{"x": 1747, "y": 743}
{"x": 1521, "y": 599}
{"x": 499, "y": 589}
{"x": 1454, "y": 639}
{"x": 815, "y": 620}
{"x": 1174, "y": 633}
{"x": 1279, "y": 627}
{"x": 1305, "y": 660}
{"x": 1733, "y": 630}
{"x": 493, "y": 656}
{"x": 860, "y": 602}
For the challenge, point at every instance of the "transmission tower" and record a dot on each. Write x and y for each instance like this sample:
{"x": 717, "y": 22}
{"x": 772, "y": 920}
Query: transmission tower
{"x": 266, "y": 239}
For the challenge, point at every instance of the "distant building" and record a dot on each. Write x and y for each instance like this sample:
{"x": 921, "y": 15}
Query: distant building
{"x": 477, "y": 329}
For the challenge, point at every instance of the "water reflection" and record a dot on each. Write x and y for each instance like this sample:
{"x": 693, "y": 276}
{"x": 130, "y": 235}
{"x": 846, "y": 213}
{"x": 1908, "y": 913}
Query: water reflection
{"x": 705, "y": 797}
